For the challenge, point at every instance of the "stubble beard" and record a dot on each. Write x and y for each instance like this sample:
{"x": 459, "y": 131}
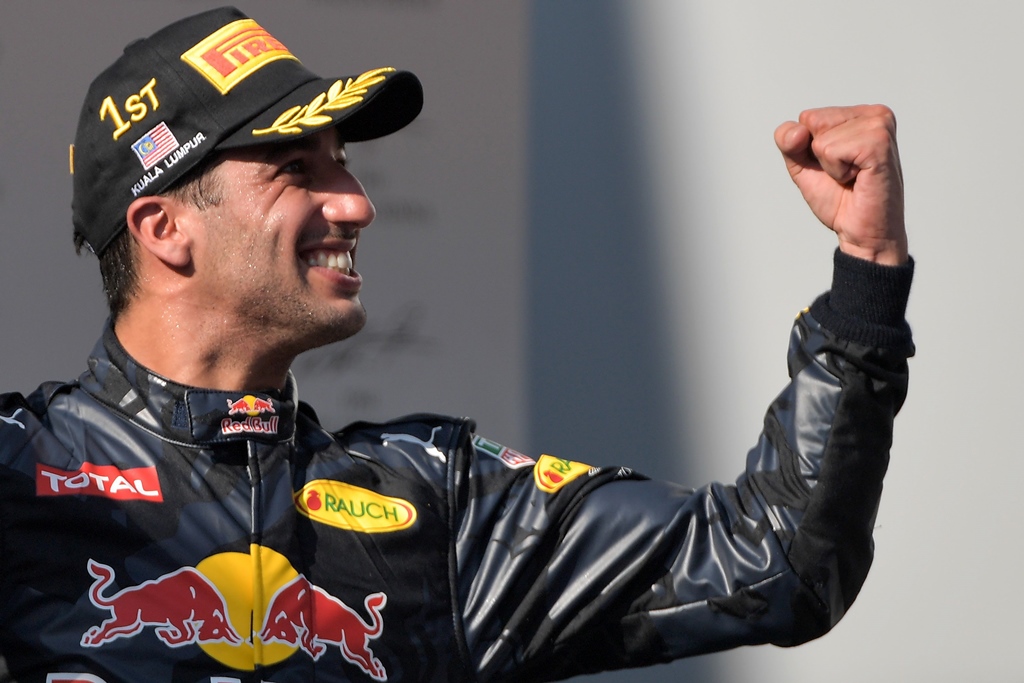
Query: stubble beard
{"x": 301, "y": 324}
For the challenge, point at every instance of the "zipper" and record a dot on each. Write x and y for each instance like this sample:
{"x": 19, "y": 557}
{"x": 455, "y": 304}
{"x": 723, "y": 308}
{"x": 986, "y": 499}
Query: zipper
{"x": 259, "y": 598}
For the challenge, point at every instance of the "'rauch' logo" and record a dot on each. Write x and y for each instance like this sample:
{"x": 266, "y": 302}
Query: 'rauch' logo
{"x": 353, "y": 508}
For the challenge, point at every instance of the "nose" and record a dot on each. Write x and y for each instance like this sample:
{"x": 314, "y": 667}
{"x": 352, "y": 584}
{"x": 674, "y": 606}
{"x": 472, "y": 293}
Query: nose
{"x": 345, "y": 202}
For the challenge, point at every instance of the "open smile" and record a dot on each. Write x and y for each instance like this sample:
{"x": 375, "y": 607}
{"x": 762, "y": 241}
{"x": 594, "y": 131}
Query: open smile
{"x": 338, "y": 261}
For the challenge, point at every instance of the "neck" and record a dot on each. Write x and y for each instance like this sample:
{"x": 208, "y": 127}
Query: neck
{"x": 201, "y": 350}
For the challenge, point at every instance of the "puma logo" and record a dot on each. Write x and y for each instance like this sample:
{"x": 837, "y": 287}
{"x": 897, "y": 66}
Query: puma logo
{"x": 11, "y": 421}
{"x": 428, "y": 446}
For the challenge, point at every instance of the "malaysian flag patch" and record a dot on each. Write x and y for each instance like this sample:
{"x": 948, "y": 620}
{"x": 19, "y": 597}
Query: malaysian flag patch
{"x": 155, "y": 145}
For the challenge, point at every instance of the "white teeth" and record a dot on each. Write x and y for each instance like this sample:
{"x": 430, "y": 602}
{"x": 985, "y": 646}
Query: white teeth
{"x": 339, "y": 261}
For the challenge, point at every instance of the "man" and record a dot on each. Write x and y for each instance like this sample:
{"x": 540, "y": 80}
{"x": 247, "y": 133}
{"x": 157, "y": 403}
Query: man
{"x": 176, "y": 515}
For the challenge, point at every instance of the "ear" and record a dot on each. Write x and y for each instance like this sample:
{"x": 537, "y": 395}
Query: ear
{"x": 159, "y": 225}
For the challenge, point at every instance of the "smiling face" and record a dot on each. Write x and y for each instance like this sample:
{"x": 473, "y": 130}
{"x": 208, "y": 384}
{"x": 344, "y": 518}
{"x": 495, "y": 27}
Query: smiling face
{"x": 275, "y": 256}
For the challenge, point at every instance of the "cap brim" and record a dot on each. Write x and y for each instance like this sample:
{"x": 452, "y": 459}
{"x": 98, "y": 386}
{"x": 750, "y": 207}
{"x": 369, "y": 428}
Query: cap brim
{"x": 364, "y": 107}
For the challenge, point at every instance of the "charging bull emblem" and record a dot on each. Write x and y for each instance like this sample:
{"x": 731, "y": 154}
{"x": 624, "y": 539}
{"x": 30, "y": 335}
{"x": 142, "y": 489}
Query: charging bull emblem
{"x": 183, "y": 606}
{"x": 306, "y": 616}
{"x": 254, "y": 410}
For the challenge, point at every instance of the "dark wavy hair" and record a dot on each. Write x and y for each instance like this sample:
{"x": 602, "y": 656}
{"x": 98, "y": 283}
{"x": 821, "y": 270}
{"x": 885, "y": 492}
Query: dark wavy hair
{"x": 119, "y": 262}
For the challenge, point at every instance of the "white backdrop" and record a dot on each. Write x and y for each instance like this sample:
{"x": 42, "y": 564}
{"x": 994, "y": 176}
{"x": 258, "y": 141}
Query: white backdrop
{"x": 941, "y": 603}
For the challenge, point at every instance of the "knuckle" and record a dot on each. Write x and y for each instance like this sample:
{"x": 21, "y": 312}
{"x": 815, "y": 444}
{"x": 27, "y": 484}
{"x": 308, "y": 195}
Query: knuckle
{"x": 884, "y": 115}
{"x": 882, "y": 133}
{"x": 823, "y": 150}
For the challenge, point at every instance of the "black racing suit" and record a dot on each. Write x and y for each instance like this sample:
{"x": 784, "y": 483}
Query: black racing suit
{"x": 151, "y": 531}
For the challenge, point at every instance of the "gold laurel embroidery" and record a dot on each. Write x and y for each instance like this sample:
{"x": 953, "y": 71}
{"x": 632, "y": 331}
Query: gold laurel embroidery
{"x": 339, "y": 96}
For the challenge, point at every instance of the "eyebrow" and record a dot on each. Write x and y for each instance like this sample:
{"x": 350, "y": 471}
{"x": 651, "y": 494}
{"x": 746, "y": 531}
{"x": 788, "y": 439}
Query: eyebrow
{"x": 274, "y": 152}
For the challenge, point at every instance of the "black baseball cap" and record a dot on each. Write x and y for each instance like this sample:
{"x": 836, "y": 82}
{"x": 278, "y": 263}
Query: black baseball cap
{"x": 213, "y": 81}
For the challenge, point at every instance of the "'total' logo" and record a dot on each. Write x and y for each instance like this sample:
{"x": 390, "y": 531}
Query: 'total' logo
{"x": 105, "y": 481}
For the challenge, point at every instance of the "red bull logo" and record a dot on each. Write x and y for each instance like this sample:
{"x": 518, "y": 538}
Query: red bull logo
{"x": 307, "y": 616}
{"x": 218, "y": 607}
{"x": 250, "y": 405}
{"x": 183, "y": 606}
{"x": 253, "y": 408}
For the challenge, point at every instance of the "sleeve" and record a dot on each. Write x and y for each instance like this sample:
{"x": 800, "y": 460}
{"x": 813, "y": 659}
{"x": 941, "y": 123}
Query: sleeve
{"x": 563, "y": 569}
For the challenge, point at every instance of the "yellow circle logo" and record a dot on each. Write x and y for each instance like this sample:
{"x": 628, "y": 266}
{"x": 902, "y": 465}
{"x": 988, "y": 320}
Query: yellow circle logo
{"x": 247, "y": 602}
{"x": 242, "y": 609}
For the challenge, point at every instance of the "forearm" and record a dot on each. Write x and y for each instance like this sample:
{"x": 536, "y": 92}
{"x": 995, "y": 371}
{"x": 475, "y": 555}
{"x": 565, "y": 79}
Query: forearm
{"x": 620, "y": 572}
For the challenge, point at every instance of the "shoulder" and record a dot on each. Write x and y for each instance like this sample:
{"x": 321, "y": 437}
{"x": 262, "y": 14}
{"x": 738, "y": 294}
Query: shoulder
{"x": 22, "y": 417}
{"x": 19, "y": 412}
{"x": 420, "y": 437}
{"x": 436, "y": 446}
{"x": 15, "y": 415}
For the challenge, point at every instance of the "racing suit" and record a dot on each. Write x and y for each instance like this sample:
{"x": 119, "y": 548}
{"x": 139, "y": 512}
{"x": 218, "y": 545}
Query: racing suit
{"x": 151, "y": 531}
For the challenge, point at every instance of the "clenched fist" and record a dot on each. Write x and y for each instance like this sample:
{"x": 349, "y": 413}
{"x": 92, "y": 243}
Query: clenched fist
{"x": 847, "y": 166}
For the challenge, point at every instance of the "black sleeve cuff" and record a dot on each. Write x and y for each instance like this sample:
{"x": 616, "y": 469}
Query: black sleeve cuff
{"x": 867, "y": 303}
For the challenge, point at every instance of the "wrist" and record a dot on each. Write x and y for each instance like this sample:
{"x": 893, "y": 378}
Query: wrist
{"x": 894, "y": 252}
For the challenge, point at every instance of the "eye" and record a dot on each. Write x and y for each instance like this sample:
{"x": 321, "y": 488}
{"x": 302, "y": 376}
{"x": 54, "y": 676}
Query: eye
{"x": 293, "y": 167}
{"x": 341, "y": 157}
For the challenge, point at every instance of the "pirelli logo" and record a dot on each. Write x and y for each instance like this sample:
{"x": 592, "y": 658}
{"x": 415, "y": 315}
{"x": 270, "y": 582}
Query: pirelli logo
{"x": 231, "y": 54}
